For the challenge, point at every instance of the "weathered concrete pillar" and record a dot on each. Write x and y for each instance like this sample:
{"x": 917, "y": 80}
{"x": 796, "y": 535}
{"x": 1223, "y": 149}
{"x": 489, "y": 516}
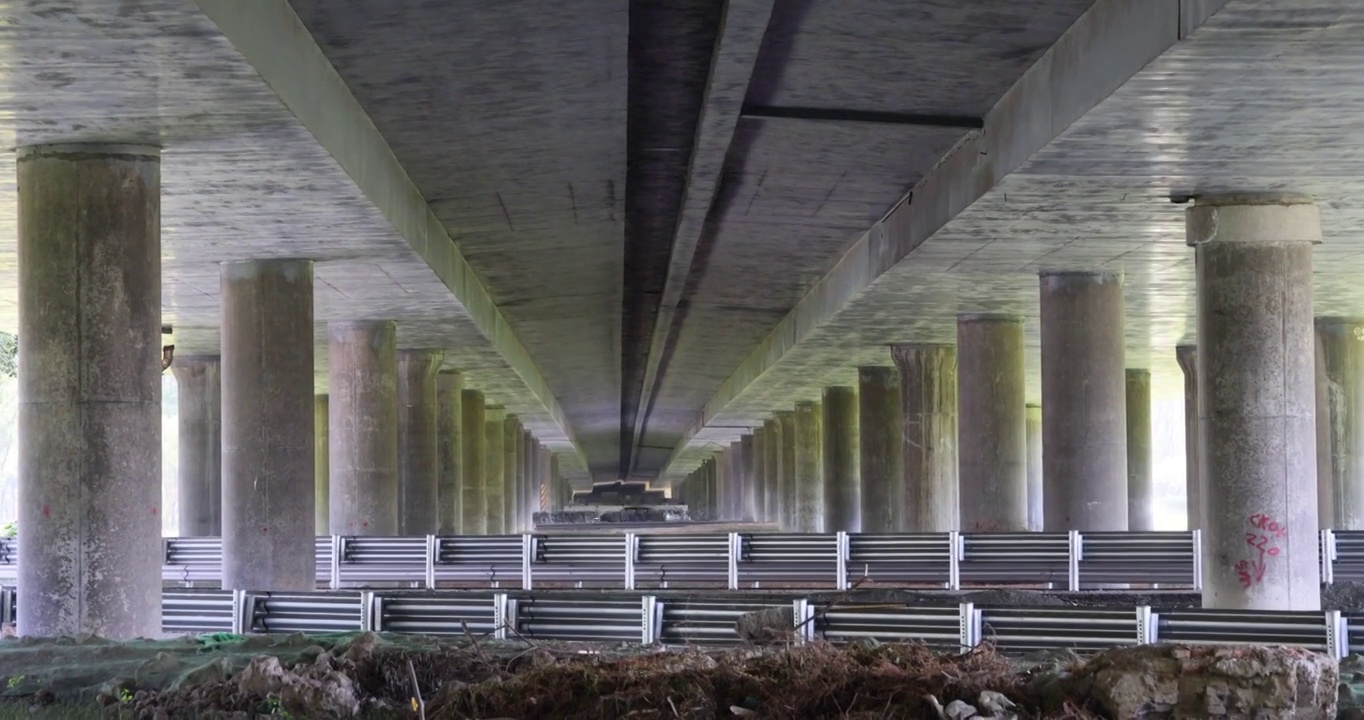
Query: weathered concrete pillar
{"x": 473, "y": 483}
{"x": 760, "y": 474}
{"x": 748, "y": 490}
{"x": 494, "y": 464}
{"x": 734, "y": 481}
{"x": 1187, "y": 355}
{"x": 450, "y": 448}
{"x": 548, "y": 471}
{"x": 1034, "y": 428}
{"x": 772, "y": 444}
{"x": 199, "y": 391}
{"x": 321, "y": 474}
{"x": 556, "y": 497}
{"x": 808, "y": 516}
{"x": 992, "y": 435}
{"x": 1141, "y": 488}
{"x": 418, "y": 456}
{"x": 786, "y": 481}
{"x": 89, "y": 223}
{"x": 1326, "y": 492}
{"x": 362, "y": 367}
{"x": 880, "y": 428}
{"x": 511, "y": 472}
{"x": 702, "y": 481}
{"x": 842, "y": 501}
{"x": 268, "y": 406}
{"x": 1084, "y": 430}
{"x": 1257, "y": 399}
{"x": 928, "y": 404}
{"x": 1340, "y": 344}
{"x": 530, "y": 494}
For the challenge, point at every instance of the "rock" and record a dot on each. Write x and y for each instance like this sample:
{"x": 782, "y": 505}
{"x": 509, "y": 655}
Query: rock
{"x": 262, "y": 676}
{"x": 359, "y": 648}
{"x": 1351, "y": 713}
{"x": 214, "y": 672}
{"x": 158, "y": 671}
{"x": 115, "y": 691}
{"x": 959, "y": 710}
{"x": 771, "y": 624}
{"x": 330, "y": 696}
{"x": 995, "y": 703}
{"x": 1173, "y": 681}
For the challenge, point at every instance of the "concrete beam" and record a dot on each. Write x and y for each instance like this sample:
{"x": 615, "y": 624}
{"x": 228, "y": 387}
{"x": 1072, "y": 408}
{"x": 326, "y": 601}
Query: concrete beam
{"x": 272, "y": 38}
{"x": 736, "y": 52}
{"x": 1104, "y": 49}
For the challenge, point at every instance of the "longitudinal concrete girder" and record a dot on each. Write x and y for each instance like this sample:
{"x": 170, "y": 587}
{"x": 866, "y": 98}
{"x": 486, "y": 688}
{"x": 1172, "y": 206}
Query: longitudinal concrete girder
{"x": 918, "y": 255}
{"x": 272, "y": 38}
{"x": 736, "y": 50}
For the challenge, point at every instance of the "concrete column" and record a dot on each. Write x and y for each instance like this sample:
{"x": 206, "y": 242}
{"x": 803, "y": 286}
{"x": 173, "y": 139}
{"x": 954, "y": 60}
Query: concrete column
{"x": 321, "y": 474}
{"x": 881, "y": 459}
{"x": 268, "y": 406}
{"x": 760, "y": 474}
{"x": 418, "y": 455}
{"x": 786, "y": 480}
{"x": 1084, "y": 430}
{"x": 1340, "y": 343}
{"x": 199, "y": 394}
{"x": 1187, "y": 355}
{"x": 1257, "y": 400}
{"x": 808, "y": 515}
{"x": 547, "y": 466}
{"x": 494, "y": 464}
{"x": 1034, "y": 432}
{"x": 748, "y": 489}
{"x": 473, "y": 484}
{"x": 362, "y": 367}
{"x": 734, "y": 477}
{"x": 772, "y": 454}
{"x": 511, "y": 471}
{"x": 992, "y": 435}
{"x": 928, "y": 405}
{"x": 530, "y": 481}
{"x": 1141, "y": 488}
{"x": 89, "y": 254}
{"x": 449, "y": 448}
{"x": 1326, "y": 492}
{"x": 842, "y": 501}
{"x": 556, "y": 498}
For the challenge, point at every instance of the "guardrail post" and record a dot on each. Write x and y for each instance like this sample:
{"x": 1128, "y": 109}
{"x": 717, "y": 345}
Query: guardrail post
{"x": 1337, "y": 634}
{"x": 370, "y": 618}
{"x": 241, "y": 613}
{"x": 1146, "y": 625}
{"x": 1328, "y": 556}
{"x": 1197, "y": 560}
{"x": 527, "y": 557}
{"x": 432, "y": 551}
{"x": 649, "y": 626}
{"x": 804, "y": 615}
{"x": 956, "y": 552}
{"x": 969, "y": 617}
{"x": 1075, "y": 555}
{"x": 843, "y": 550}
{"x": 735, "y": 548}
{"x": 500, "y": 616}
{"x": 338, "y": 549}
{"x": 631, "y": 545}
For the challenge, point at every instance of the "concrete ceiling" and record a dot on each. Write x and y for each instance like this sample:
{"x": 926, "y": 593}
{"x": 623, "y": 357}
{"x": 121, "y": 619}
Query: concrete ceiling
{"x": 644, "y": 225}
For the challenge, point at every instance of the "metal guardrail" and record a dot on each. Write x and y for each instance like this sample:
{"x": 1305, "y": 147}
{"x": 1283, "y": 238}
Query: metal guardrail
{"x": 1073, "y": 561}
{"x": 710, "y": 621}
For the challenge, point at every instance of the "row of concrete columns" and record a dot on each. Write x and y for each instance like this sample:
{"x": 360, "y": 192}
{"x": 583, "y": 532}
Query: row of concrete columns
{"x": 397, "y": 446}
{"x": 946, "y": 441}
